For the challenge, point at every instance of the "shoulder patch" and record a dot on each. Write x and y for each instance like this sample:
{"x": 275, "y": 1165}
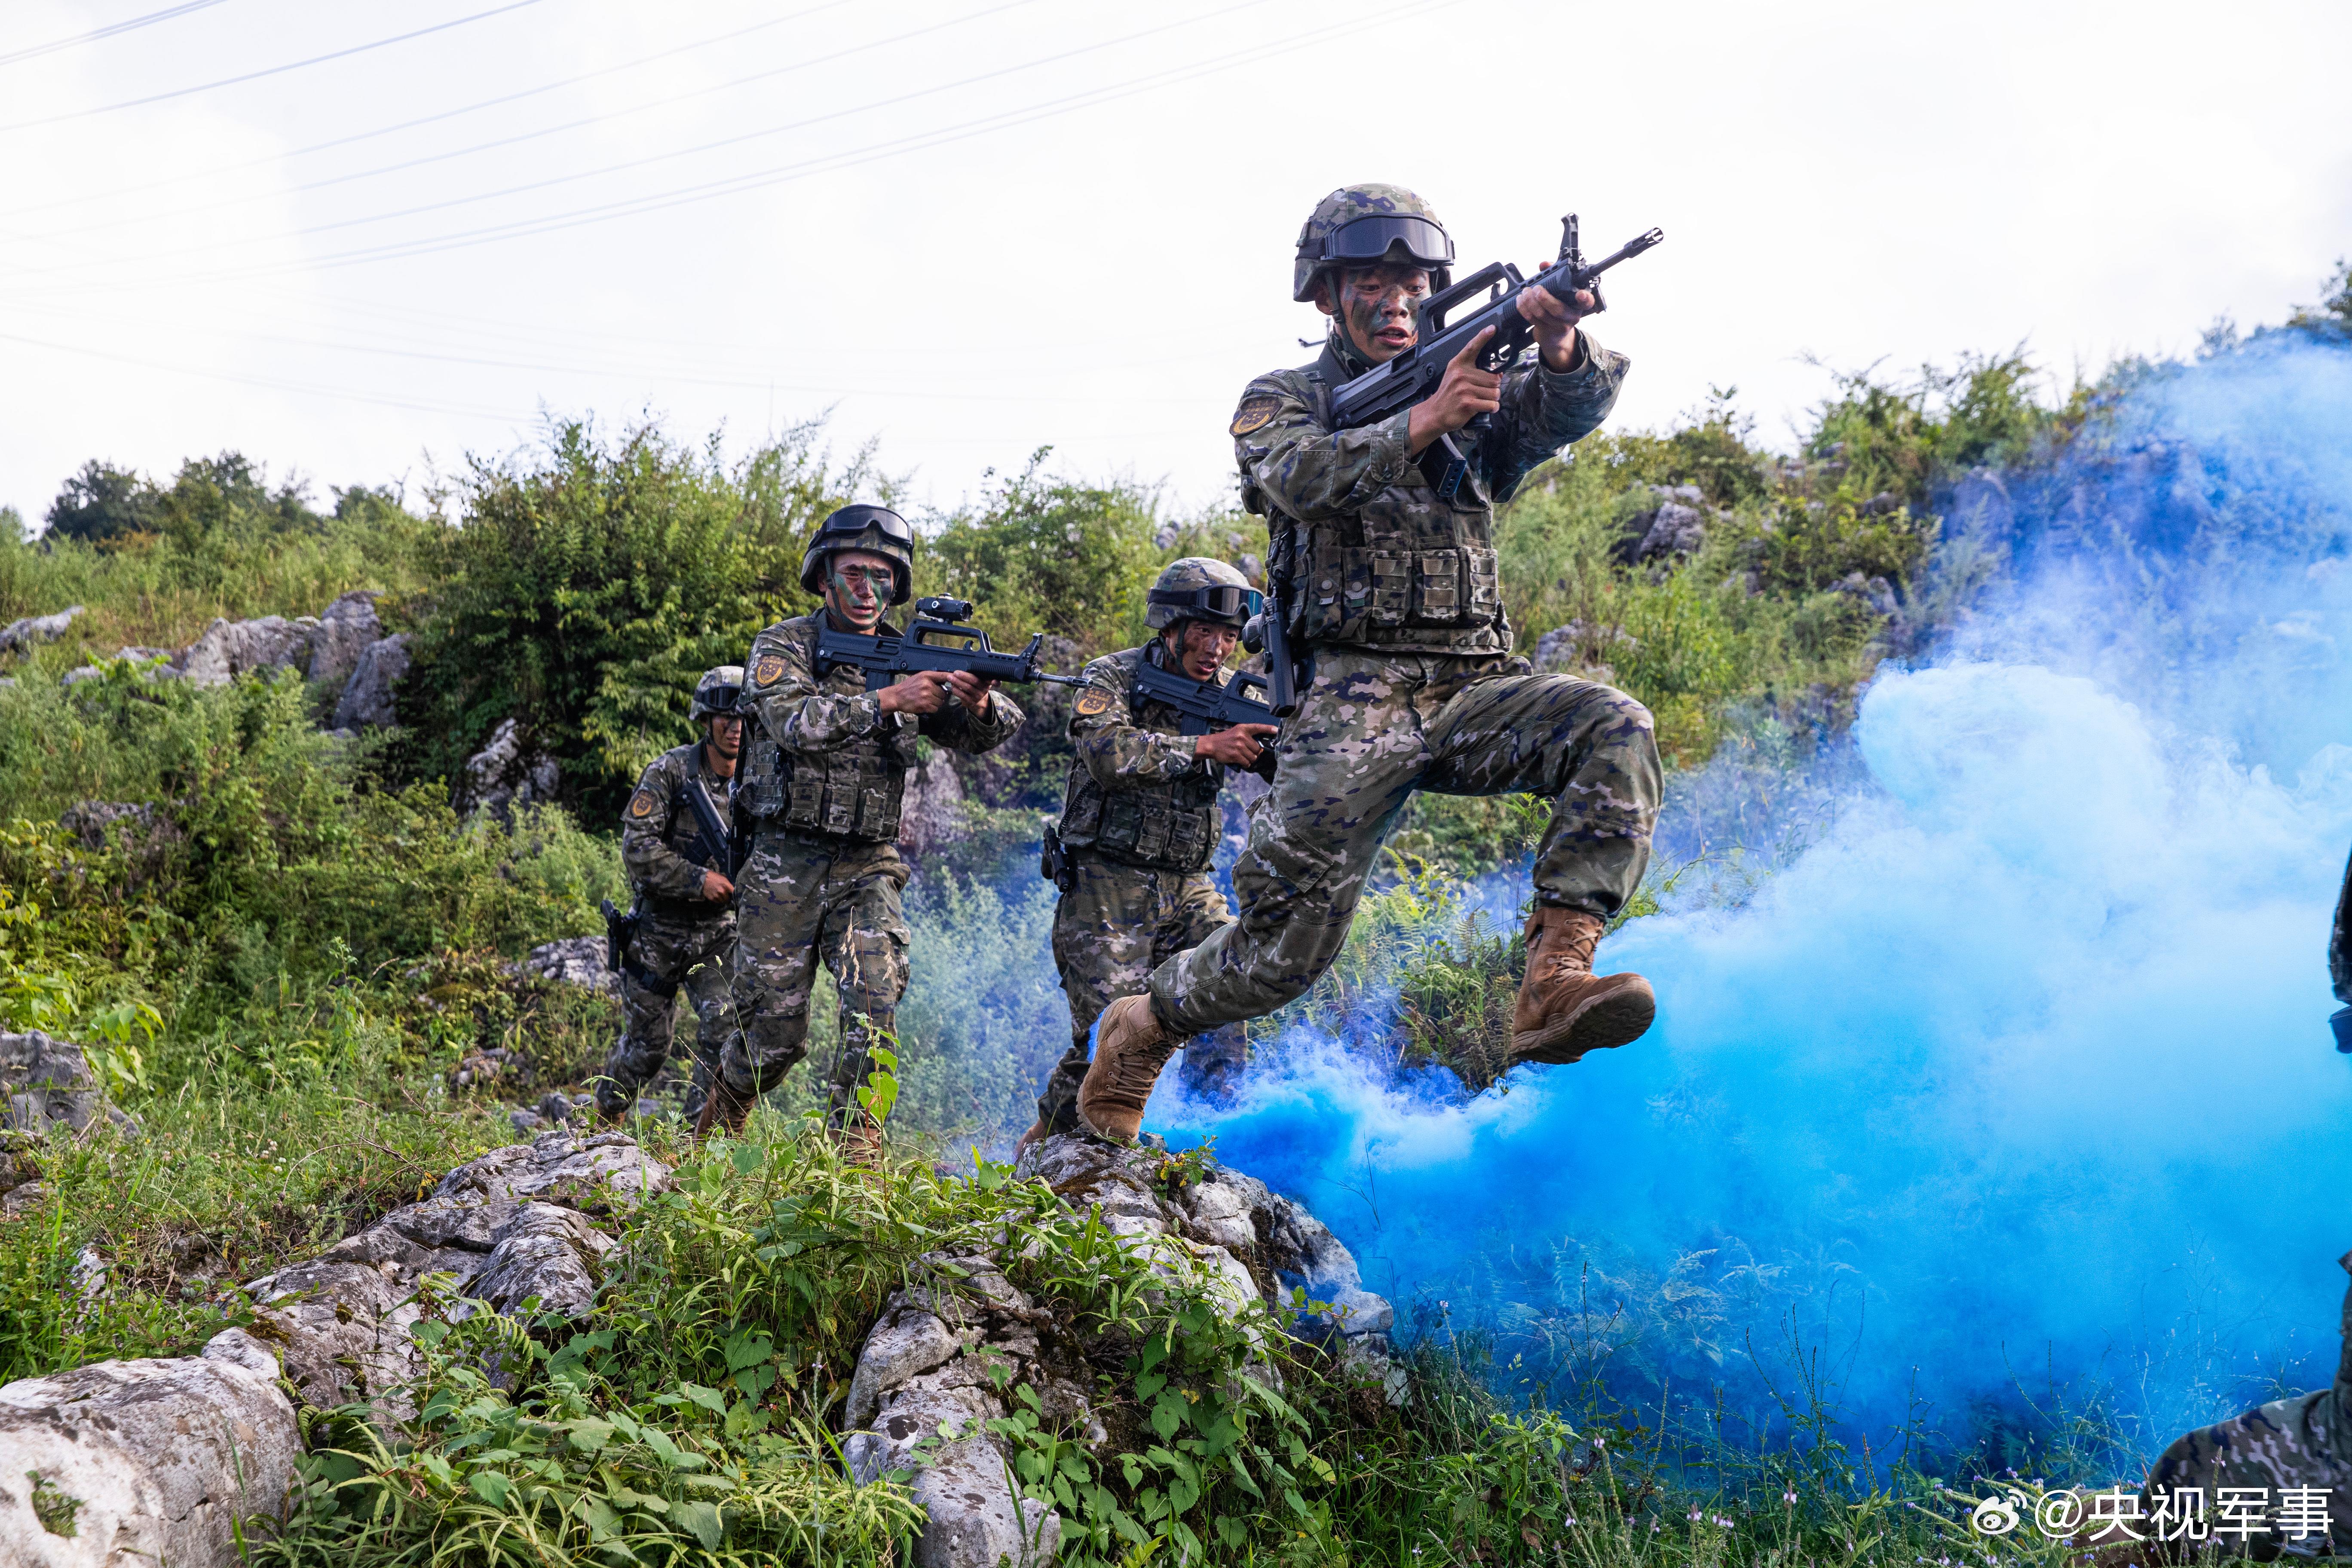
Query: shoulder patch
{"x": 1094, "y": 700}
{"x": 769, "y": 671}
{"x": 1255, "y": 412}
{"x": 642, "y": 803}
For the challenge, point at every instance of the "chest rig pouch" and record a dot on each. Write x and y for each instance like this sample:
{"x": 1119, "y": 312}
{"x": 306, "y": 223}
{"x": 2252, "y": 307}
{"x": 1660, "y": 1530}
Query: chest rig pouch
{"x": 1160, "y": 827}
{"x": 1409, "y": 568}
{"x": 855, "y": 791}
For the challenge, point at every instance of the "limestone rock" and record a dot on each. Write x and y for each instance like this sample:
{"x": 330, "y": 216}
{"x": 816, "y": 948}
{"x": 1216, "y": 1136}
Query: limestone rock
{"x": 48, "y": 1081}
{"x": 19, "y": 636}
{"x": 936, "y": 1352}
{"x": 507, "y": 1228}
{"x": 505, "y": 773}
{"x": 231, "y": 648}
{"x": 368, "y": 699}
{"x": 145, "y": 833}
{"x": 571, "y": 961}
{"x": 347, "y": 629}
{"x": 125, "y": 1462}
{"x": 933, "y": 814}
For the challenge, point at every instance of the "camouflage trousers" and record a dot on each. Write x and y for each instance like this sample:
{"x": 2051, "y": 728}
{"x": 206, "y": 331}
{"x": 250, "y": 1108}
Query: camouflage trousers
{"x": 667, "y": 954}
{"x": 802, "y": 898}
{"x": 2302, "y": 1445}
{"x": 1114, "y": 925}
{"x": 1374, "y": 728}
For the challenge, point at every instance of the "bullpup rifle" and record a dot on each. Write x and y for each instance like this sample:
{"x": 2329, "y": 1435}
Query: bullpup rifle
{"x": 936, "y": 639}
{"x": 1389, "y": 389}
{"x": 1206, "y": 706}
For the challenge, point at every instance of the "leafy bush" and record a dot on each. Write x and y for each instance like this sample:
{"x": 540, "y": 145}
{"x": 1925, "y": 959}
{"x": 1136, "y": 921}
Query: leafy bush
{"x": 587, "y": 589}
{"x": 1053, "y": 556}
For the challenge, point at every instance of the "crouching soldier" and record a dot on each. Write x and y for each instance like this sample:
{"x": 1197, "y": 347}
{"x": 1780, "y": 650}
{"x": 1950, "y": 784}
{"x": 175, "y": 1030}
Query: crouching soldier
{"x": 1139, "y": 824}
{"x": 823, "y": 784}
{"x": 681, "y": 934}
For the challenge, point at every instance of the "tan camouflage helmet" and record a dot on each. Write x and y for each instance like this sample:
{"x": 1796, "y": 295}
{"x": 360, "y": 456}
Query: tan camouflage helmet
{"x": 878, "y": 530}
{"x": 1357, "y": 225}
{"x": 717, "y": 692}
{"x": 1198, "y": 588}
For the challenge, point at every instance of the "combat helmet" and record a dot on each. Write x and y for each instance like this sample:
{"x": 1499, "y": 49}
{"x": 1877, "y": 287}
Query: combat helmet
{"x": 1198, "y": 588}
{"x": 717, "y": 692}
{"x": 1356, "y": 225}
{"x": 876, "y": 530}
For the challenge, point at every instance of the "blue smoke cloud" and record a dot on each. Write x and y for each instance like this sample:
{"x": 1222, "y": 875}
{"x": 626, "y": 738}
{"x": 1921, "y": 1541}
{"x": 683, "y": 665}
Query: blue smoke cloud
{"x": 2020, "y": 1071}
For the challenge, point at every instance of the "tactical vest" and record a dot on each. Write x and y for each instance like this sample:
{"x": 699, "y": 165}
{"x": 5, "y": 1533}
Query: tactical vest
{"x": 1409, "y": 569}
{"x": 1159, "y": 828}
{"x": 855, "y": 791}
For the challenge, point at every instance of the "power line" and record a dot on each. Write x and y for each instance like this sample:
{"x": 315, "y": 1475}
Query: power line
{"x": 268, "y": 71}
{"x": 274, "y": 384}
{"x": 108, "y": 31}
{"x": 831, "y": 163}
{"x": 712, "y": 146}
{"x": 214, "y": 173}
{"x": 151, "y": 216}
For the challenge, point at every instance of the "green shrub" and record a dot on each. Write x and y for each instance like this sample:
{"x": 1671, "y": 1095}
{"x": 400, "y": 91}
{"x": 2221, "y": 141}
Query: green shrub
{"x": 1050, "y": 554}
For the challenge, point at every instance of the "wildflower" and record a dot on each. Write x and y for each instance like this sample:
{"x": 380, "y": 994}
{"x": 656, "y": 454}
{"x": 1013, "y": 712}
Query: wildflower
{"x": 1789, "y": 1498}
{"x": 1693, "y": 1516}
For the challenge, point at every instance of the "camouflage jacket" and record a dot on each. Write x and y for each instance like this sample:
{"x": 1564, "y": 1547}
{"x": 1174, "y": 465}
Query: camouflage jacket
{"x": 661, "y": 836}
{"x": 803, "y": 714}
{"x": 1137, "y": 793}
{"x": 1375, "y": 558}
{"x": 825, "y": 759}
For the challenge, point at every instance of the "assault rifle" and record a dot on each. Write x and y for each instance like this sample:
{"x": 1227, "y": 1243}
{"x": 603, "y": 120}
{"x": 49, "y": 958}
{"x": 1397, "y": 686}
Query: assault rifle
{"x": 935, "y": 639}
{"x": 1387, "y": 389}
{"x": 1206, "y": 706}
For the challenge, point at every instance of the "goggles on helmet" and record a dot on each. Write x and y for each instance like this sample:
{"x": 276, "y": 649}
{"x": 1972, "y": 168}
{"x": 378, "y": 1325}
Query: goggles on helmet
{"x": 720, "y": 699}
{"x": 1366, "y": 239}
{"x": 1224, "y": 601}
{"x": 857, "y": 520}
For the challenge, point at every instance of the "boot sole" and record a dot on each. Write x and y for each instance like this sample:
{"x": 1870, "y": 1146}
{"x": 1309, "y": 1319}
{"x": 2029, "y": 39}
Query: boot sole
{"x": 1602, "y": 1024}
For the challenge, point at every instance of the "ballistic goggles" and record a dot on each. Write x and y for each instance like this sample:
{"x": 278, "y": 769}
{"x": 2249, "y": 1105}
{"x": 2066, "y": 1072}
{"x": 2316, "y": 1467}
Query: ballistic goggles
{"x": 1368, "y": 240}
{"x": 851, "y": 520}
{"x": 1220, "y": 602}
{"x": 721, "y": 699}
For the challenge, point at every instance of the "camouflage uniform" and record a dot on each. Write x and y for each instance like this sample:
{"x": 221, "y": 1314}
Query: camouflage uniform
{"x": 1396, "y": 597}
{"x": 2306, "y": 1441}
{"x": 824, "y": 777}
{"x": 1139, "y": 826}
{"x": 682, "y": 939}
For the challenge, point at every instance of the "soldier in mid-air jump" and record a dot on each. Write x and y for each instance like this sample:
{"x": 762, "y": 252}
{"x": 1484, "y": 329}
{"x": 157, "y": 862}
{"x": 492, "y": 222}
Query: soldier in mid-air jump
{"x": 1394, "y": 594}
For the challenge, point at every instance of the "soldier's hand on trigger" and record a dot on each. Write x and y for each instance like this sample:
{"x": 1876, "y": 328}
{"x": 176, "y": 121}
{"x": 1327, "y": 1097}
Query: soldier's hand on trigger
{"x": 1465, "y": 393}
{"x": 717, "y": 887}
{"x": 1239, "y": 747}
{"x": 924, "y": 691}
{"x": 971, "y": 690}
{"x": 1554, "y": 324}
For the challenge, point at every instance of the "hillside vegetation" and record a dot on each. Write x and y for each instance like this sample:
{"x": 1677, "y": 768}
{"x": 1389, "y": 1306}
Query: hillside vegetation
{"x": 279, "y": 981}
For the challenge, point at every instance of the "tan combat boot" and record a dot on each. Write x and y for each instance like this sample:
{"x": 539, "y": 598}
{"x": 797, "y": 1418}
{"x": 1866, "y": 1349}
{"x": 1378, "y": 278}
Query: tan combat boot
{"x": 724, "y": 1109}
{"x": 1565, "y": 1009}
{"x": 1131, "y": 1048}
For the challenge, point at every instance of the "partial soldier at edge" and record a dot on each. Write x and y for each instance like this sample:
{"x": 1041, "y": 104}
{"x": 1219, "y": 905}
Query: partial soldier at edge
{"x": 1397, "y": 604}
{"x": 680, "y": 933}
{"x": 825, "y": 777}
{"x": 1140, "y": 824}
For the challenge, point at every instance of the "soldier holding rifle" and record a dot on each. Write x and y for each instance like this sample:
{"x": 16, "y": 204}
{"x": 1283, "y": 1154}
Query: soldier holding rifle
{"x": 824, "y": 779}
{"x": 1384, "y": 577}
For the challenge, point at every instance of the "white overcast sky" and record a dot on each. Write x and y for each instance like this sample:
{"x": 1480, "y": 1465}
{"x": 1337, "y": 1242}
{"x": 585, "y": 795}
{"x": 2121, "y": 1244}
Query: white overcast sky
{"x": 975, "y": 227}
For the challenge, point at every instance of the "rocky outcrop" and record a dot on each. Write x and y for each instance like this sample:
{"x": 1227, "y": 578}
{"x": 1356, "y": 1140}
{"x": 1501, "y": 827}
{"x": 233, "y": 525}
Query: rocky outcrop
{"x": 20, "y": 637}
{"x": 1673, "y": 528}
{"x": 369, "y": 700}
{"x": 935, "y": 1359}
{"x": 507, "y": 772}
{"x": 571, "y": 961}
{"x": 160, "y": 1461}
{"x": 47, "y": 1083}
{"x": 231, "y": 648}
{"x": 932, "y": 815}
{"x": 145, "y": 834}
{"x": 346, "y": 630}
{"x": 511, "y": 1226}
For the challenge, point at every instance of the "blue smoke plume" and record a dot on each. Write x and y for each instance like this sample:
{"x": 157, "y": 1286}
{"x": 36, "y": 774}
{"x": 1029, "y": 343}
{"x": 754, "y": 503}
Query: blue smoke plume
{"x": 2020, "y": 1074}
